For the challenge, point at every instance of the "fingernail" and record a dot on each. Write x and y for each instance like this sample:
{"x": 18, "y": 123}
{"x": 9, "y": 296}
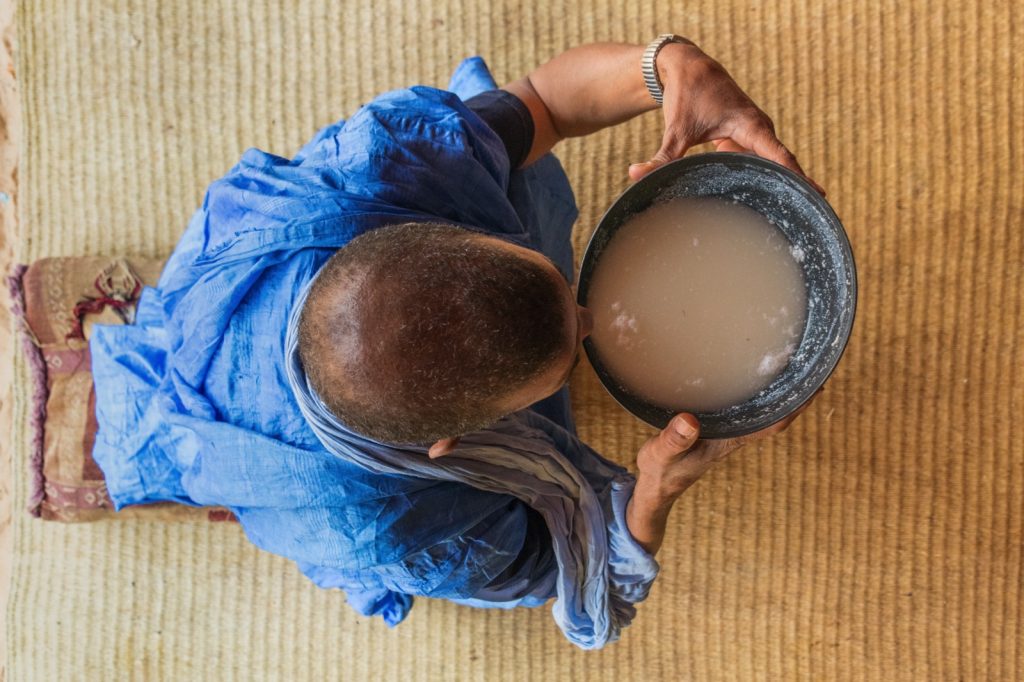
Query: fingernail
{"x": 684, "y": 428}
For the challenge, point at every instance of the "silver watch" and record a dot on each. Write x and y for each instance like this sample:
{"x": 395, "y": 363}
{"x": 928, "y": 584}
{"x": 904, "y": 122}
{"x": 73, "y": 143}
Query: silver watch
{"x": 648, "y": 64}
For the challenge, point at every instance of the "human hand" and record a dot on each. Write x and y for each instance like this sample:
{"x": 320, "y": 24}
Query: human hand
{"x": 702, "y": 103}
{"x": 673, "y": 460}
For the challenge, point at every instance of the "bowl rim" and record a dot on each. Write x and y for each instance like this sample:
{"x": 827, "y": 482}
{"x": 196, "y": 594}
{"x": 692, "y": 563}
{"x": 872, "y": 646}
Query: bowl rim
{"x": 728, "y": 158}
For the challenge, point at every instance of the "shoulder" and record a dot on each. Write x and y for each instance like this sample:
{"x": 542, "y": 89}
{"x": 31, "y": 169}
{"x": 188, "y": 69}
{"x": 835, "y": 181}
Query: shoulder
{"x": 432, "y": 126}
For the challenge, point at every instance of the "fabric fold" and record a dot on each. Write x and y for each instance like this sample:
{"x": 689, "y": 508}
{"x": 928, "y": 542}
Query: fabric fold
{"x": 602, "y": 571}
{"x": 200, "y": 401}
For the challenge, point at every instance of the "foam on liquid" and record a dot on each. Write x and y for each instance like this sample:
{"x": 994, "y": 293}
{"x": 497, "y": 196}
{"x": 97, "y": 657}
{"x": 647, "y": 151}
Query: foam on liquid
{"x": 698, "y": 304}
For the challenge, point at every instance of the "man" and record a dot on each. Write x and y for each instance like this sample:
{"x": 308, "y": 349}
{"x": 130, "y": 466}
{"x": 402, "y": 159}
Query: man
{"x": 362, "y": 351}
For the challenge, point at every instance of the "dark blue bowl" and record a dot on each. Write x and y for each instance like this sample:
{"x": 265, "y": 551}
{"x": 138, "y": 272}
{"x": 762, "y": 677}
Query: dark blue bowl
{"x": 809, "y": 223}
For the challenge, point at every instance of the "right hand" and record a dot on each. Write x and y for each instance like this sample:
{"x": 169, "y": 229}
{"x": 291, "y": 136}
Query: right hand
{"x": 675, "y": 458}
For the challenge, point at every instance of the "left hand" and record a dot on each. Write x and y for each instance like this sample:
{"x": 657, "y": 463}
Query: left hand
{"x": 702, "y": 103}
{"x": 674, "y": 468}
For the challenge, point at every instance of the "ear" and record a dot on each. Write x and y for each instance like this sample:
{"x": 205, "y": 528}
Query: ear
{"x": 442, "y": 447}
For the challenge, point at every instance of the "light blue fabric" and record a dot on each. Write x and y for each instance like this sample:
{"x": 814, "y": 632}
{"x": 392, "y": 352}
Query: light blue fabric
{"x": 195, "y": 405}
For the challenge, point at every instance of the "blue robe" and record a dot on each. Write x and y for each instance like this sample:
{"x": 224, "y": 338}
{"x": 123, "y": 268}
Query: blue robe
{"x": 195, "y": 404}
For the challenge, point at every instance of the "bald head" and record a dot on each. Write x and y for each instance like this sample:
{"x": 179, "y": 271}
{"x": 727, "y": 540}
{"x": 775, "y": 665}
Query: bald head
{"x": 417, "y": 332}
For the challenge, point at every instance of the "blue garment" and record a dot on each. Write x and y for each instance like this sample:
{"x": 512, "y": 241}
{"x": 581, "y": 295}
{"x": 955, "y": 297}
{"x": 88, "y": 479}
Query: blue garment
{"x": 195, "y": 406}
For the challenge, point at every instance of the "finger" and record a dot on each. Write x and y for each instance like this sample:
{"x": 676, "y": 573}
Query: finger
{"x": 707, "y": 452}
{"x": 727, "y": 145}
{"x": 679, "y": 436}
{"x": 807, "y": 403}
{"x": 754, "y": 130}
{"x": 442, "y": 447}
{"x": 763, "y": 143}
{"x": 759, "y": 136}
{"x": 766, "y": 432}
{"x": 818, "y": 188}
{"x": 674, "y": 144}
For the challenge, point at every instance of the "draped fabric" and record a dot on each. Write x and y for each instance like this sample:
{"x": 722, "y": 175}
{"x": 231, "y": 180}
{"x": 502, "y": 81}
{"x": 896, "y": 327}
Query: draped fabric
{"x": 201, "y": 400}
{"x": 581, "y": 496}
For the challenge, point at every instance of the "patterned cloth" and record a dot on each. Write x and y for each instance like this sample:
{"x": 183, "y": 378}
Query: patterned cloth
{"x": 56, "y": 302}
{"x": 195, "y": 404}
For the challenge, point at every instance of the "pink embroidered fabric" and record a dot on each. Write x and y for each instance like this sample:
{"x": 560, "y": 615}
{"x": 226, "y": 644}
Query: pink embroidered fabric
{"x": 56, "y": 301}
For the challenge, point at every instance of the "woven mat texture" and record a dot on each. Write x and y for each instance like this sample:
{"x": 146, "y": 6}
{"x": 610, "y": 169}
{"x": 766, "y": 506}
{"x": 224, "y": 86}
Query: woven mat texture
{"x": 879, "y": 538}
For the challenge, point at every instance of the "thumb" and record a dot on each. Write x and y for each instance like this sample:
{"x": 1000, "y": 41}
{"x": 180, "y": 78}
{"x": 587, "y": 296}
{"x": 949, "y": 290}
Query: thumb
{"x": 638, "y": 170}
{"x": 673, "y": 145}
{"x": 677, "y": 437}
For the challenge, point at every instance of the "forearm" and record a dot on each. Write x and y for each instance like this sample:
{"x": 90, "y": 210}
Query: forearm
{"x": 589, "y": 88}
{"x": 647, "y": 513}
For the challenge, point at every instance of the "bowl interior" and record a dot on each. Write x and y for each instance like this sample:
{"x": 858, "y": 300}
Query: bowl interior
{"x": 807, "y": 221}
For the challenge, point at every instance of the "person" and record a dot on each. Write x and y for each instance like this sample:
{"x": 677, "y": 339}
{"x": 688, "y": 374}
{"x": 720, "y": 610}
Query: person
{"x": 363, "y": 350}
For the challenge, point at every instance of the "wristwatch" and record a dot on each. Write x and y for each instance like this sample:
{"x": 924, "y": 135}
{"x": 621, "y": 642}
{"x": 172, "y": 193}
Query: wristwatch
{"x": 648, "y": 65}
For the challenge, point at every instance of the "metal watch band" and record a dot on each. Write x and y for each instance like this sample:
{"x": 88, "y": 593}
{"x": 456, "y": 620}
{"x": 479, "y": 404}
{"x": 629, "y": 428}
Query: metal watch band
{"x": 648, "y": 65}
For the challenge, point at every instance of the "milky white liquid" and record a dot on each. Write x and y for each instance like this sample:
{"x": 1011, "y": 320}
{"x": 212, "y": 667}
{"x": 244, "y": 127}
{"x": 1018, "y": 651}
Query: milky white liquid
{"x": 698, "y": 304}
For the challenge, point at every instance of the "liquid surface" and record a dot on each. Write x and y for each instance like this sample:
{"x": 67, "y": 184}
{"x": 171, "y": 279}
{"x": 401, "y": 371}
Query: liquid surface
{"x": 698, "y": 304}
